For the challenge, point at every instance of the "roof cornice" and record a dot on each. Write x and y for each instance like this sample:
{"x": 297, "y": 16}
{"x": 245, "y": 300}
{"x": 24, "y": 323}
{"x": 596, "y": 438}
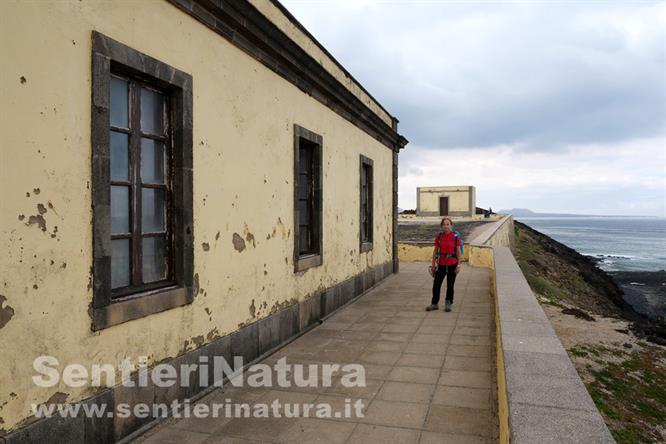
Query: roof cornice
{"x": 239, "y": 22}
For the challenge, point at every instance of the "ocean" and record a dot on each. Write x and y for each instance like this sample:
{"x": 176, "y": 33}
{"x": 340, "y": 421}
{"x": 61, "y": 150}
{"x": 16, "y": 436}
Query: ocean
{"x": 621, "y": 243}
{"x": 631, "y": 249}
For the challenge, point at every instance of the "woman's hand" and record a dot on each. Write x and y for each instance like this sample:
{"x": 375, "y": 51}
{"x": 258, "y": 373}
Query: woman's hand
{"x": 457, "y": 270}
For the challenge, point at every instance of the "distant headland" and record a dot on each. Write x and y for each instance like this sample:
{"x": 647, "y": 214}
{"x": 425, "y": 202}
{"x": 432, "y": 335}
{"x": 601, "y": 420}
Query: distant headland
{"x": 524, "y": 212}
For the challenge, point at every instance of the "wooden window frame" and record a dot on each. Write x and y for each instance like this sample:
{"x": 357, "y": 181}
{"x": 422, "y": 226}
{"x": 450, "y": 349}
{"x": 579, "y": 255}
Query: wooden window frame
{"x": 366, "y": 239}
{"x": 112, "y": 57}
{"x": 136, "y": 185}
{"x": 304, "y": 261}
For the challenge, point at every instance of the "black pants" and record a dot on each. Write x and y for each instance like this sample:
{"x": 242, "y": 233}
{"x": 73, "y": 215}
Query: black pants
{"x": 448, "y": 271}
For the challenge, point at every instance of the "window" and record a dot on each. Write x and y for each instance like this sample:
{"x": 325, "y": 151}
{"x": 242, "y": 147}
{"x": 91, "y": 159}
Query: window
{"x": 142, "y": 184}
{"x": 141, "y": 236}
{"x": 366, "y": 204}
{"x": 307, "y": 199}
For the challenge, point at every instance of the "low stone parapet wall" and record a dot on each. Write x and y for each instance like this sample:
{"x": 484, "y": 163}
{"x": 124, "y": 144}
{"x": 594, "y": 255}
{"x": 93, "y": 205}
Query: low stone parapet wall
{"x": 477, "y": 250}
{"x": 480, "y": 248}
{"x": 541, "y": 396}
{"x": 421, "y": 252}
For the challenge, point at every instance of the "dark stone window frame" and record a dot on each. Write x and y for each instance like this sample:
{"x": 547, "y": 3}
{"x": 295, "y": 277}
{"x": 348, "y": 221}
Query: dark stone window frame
{"x": 366, "y": 171}
{"x": 109, "y": 56}
{"x": 304, "y": 261}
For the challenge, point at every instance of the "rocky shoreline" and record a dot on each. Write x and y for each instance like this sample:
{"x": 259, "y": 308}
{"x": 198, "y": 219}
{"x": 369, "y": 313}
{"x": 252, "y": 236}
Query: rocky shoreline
{"x": 618, "y": 352}
{"x": 638, "y": 297}
{"x": 645, "y": 291}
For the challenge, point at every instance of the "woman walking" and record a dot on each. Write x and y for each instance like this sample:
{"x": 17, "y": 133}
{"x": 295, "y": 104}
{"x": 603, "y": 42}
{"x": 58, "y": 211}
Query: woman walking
{"x": 445, "y": 263}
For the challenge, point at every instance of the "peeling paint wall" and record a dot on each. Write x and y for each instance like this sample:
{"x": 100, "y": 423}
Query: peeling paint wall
{"x": 481, "y": 256}
{"x": 243, "y": 192}
{"x": 504, "y": 234}
{"x": 412, "y": 252}
{"x": 269, "y": 10}
{"x": 497, "y": 234}
{"x": 421, "y": 252}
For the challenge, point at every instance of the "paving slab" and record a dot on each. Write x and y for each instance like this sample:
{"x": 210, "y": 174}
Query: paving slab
{"x": 428, "y": 375}
{"x": 392, "y": 413}
{"x": 446, "y": 438}
{"x": 368, "y": 433}
{"x": 406, "y": 392}
{"x": 460, "y": 420}
{"x": 421, "y": 360}
{"x": 464, "y": 378}
{"x": 312, "y": 430}
{"x": 475, "y": 398}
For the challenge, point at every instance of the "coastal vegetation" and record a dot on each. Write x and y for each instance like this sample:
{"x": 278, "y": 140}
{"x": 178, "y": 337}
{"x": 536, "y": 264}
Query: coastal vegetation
{"x": 629, "y": 389}
{"x": 619, "y": 355}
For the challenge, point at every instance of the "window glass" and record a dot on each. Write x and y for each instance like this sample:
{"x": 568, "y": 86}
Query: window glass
{"x": 120, "y": 263}
{"x": 119, "y": 102}
{"x": 304, "y": 242}
{"x": 154, "y": 259}
{"x": 153, "y": 207}
{"x": 303, "y": 213}
{"x": 366, "y": 202}
{"x": 120, "y": 209}
{"x": 119, "y": 159}
{"x": 151, "y": 111}
{"x": 152, "y": 161}
{"x": 303, "y": 186}
{"x": 305, "y": 159}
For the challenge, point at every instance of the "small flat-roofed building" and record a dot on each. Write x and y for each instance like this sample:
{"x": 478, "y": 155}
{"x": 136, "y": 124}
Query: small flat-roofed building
{"x": 453, "y": 201}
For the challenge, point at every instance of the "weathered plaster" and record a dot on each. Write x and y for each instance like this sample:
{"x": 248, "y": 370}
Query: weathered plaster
{"x": 269, "y": 10}
{"x": 6, "y": 312}
{"x": 243, "y": 142}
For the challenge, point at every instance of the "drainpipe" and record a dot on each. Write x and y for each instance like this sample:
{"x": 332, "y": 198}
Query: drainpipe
{"x": 401, "y": 142}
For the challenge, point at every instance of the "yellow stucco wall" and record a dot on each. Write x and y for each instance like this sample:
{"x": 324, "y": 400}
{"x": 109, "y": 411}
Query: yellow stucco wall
{"x": 243, "y": 172}
{"x": 504, "y": 235}
{"x": 502, "y": 396}
{"x": 413, "y": 252}
{"x": 481, "y": 256}
{"x": 269, "y": 10}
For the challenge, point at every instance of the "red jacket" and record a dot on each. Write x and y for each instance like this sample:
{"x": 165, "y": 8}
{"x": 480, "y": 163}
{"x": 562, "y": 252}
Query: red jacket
{"x": 446, "y": 247}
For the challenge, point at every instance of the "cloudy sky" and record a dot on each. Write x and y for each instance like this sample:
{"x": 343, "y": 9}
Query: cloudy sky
{"x": 556, "y": 106}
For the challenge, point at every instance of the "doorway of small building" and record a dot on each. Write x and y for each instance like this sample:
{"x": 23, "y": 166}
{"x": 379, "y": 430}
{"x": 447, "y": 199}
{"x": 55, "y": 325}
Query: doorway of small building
{"x": 443, "y": 206}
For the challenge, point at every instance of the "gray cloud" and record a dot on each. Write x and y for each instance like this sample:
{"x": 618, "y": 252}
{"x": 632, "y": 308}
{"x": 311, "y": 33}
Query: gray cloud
{"x": 538, "y": 76}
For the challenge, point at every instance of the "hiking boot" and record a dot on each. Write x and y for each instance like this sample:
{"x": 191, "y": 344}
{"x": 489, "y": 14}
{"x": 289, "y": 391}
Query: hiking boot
{"x": 447, "y": 306}
{"x": 432, "y": 307}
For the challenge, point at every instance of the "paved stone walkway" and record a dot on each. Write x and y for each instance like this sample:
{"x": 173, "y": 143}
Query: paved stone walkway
{"x": 429, "y": 375}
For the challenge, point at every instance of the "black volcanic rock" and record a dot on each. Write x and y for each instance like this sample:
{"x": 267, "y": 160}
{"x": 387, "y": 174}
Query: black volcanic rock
{"x": 565, "y": 265}
{"x": 599, "y": 292}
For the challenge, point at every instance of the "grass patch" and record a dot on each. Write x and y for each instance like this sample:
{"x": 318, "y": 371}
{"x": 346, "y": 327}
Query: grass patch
{"x": 533, "y": 264}
{"x": 546, "y": 288}
{"x": 630, "y": 392}
{"x": 578, "y": 351}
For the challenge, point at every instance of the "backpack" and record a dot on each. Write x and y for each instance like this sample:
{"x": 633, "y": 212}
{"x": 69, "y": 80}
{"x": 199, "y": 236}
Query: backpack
{"x": 456, "y": 235}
